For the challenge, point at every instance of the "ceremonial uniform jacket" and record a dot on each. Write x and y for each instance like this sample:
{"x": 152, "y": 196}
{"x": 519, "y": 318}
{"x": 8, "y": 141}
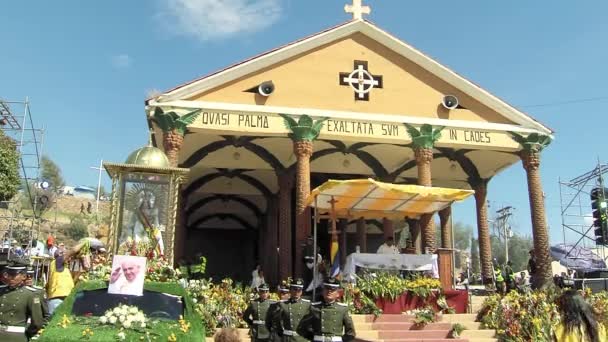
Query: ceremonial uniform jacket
{"x": 328, "y": 322}
{"x": 255, "y": 316}
{"x": 290, "y": 315}
{"x": 16, "y": 306}
{"x": 273, "y": 322}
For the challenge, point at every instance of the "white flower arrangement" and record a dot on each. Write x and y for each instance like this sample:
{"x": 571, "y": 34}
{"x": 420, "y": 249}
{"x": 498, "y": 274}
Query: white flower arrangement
{"x": 125, "y": 316}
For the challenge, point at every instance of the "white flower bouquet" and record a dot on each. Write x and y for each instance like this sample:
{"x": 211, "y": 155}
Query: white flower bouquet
{"x": 125, "y": 316}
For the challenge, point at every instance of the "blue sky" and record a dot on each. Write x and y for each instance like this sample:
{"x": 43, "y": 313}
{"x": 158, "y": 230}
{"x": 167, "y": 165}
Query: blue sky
{"x": 87, "y": 70}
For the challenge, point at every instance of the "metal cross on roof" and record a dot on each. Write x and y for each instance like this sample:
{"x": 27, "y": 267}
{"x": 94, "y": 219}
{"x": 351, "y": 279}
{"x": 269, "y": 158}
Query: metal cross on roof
{"x": 357, "y": 9}
{"x": 361, "y": 80}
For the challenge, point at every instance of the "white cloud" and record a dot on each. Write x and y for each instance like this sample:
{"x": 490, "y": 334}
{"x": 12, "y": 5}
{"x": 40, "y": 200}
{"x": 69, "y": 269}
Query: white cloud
{"x": 121, "y": 61}
{"x": 213, "y": 19}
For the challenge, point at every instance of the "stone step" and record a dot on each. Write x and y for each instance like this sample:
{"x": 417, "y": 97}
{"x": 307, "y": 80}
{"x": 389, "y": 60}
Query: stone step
{"x": 458, "y": 318}
{"x": 470, "y": 325}
{"x": 410, "y": 326}
{"x": 478, "y": 334}
{"x": 419, "y": 334}
{"x": 383, "y": 318}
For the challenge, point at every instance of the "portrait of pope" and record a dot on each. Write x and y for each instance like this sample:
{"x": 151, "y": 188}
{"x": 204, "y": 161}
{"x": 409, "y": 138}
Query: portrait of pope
{"x": 128, "y": 275}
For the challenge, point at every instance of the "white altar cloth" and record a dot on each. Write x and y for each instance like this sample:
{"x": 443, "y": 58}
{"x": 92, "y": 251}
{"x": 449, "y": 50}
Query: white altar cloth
{"x": 387, "y": 262}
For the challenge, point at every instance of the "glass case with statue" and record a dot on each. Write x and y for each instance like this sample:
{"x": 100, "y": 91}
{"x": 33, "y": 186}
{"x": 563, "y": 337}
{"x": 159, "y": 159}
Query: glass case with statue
{"x": 145, "y": 192}
{"x": 143, "y": 218}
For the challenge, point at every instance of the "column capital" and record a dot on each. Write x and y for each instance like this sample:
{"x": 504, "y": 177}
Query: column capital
{"x": 423, "y": 155}
{"x": 303, "y": 148}
{"x": 479, "y": 184}
{"x": 445, "y": 213}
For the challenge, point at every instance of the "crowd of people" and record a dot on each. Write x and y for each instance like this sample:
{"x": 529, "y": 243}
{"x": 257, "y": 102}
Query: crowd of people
{"x": 31, "y": 306}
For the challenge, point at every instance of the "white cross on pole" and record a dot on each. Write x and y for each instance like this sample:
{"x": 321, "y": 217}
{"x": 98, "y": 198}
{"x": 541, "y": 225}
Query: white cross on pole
{"x": 100, "y": 168}
{"x": 357, "y": 9}
{"x": 359, "y": 79}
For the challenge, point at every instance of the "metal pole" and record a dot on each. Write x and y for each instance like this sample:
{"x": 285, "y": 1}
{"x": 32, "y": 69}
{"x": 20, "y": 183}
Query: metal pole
{"x": 100, "y": 168}
{"x": 504, "y": 230}
{"x": 561, "y": 202}
{"x": 314, "y": 244}
{"x": 453, "y": 249}
{"x": 98, "y": 190}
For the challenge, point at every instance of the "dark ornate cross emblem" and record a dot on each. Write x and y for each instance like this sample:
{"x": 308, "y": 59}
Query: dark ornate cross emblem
{"x": 361, "y": 80}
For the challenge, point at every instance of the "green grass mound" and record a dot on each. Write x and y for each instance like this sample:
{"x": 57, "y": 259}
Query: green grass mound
{"x": 66, "y": 327}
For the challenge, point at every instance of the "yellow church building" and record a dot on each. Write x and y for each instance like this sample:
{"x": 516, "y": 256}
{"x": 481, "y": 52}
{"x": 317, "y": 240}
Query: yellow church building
{"x": 388, "y": 112}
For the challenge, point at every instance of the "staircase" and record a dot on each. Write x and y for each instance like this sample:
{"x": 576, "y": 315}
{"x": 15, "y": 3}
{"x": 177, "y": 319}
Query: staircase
{"x": 473, "y": 332}
{"x": 401, "y": 328}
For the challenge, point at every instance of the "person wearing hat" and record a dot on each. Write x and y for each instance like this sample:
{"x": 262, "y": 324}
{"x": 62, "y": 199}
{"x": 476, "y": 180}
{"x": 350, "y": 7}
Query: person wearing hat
{"x": 18, "y": 304}
{"x": 39, "y": 291}
{"x": 273, "y": 320}
{"x": 255, "y": 315}
{"x": 292, "y": 312}
{"x": 328, "y": 320}
{"x": 60, "y": 283}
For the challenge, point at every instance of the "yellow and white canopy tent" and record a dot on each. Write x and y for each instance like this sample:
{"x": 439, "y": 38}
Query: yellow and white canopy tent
{"x": 369, "y": 198}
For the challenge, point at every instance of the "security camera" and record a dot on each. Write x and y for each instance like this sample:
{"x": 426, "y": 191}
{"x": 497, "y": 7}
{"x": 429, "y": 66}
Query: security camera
{"x": 266, "y": 88}
{"x": 450, "y": 102}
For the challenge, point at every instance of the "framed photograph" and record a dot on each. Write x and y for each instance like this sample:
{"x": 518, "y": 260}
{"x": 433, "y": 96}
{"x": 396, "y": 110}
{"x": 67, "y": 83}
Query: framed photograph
{"x": 128, "y": 275}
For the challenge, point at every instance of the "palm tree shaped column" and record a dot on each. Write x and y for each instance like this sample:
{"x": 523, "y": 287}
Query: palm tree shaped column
{"x": 480, "y": 187}
{"x": 303, "y": 133}
{"x": 174, "y": 128}
{"x": 423, "y": 141}
{"x": 532, "y": 146}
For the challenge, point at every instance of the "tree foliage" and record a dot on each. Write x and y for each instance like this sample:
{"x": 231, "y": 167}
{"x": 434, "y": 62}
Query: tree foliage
{"x": 173, "y": 122}
{"x": 462, "y": 235}
{"x": 519, "y": 247}
{"x": 9, "y": 168}
{"x": 77, "y": 229}
{"x": 426, "y": 136}
{"x": 475, "y": 266}
{"x": 51, "y": 173}
{"x": 305, "y": 129}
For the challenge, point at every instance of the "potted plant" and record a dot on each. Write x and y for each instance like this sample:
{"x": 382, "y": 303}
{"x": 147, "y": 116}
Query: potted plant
{"x": 457, "y": 329}
{"x": 422, "y": 317}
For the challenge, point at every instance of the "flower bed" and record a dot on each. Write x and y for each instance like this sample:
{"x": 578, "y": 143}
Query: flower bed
{"x": 64, "y": 326}
{"x": 531, "y": 316}
{"x": 394, "y": 295}
{"x": 221, "y": 305}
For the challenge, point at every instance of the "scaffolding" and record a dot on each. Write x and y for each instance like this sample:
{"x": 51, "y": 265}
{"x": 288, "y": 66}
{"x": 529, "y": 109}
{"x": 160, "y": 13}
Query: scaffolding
{"x": 16, "y": 122}
{"x": 575, "y": 203}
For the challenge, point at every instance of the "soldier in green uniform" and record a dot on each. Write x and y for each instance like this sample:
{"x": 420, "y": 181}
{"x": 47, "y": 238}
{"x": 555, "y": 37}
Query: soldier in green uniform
{"x": 273, "y": 320}
{"x": 328, "y": 320}
{"x": 29, "y": 284}
{"x": 17, "y": 304}
{"x": 256, "y": 313}
{"x": 292, "y": 311}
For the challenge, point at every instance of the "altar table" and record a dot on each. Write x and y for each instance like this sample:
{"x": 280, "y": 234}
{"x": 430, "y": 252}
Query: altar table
{"x": 387, "y": 262}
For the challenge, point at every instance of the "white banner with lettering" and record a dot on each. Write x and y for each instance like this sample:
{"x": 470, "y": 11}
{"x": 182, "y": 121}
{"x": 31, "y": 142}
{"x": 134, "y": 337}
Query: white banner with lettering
{"x": 388, "y": 262}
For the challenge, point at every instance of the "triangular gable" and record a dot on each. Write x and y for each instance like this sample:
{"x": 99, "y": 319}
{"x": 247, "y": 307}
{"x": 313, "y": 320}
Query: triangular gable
{"x": 335, "y": 34}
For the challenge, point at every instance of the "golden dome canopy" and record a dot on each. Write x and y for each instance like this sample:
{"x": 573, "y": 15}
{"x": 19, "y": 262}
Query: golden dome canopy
{"x": 148, "y": 156}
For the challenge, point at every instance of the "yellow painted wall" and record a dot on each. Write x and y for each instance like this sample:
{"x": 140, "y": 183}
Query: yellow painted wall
{"x": 311, "y": 80}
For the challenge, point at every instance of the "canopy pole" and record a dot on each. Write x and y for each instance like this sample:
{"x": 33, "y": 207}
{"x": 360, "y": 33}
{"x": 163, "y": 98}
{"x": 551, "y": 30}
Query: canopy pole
{"x": 314, "y": 244}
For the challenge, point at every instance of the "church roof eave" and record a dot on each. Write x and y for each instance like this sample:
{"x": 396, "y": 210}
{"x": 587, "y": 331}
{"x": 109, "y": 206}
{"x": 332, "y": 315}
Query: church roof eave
{"x": 333, "y": 34}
